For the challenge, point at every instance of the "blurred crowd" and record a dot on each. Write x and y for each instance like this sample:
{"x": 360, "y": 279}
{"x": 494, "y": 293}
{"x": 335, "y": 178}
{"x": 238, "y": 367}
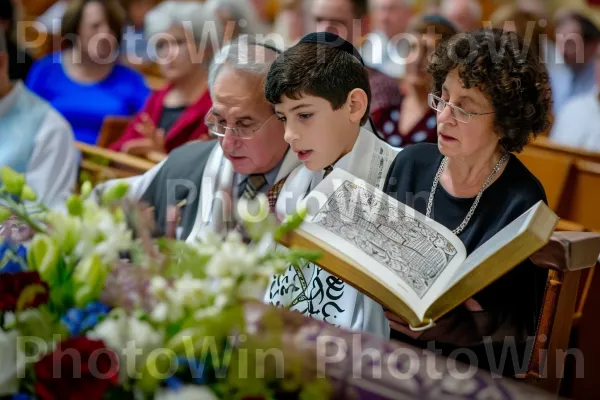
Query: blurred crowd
{"x": 104, "y": 51}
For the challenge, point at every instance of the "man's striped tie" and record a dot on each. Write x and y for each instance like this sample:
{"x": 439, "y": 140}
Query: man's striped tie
{"x": 253, "y": 184}
{"x": 327, "y": 171}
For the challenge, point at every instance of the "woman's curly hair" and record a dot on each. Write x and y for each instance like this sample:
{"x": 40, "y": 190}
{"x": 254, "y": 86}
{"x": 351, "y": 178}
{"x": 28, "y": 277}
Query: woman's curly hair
{"x": 509, "y": 74}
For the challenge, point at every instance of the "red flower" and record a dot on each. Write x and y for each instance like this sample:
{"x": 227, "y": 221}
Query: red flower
{"x": 79, "y": 368}
{"x": 12, "y": 285}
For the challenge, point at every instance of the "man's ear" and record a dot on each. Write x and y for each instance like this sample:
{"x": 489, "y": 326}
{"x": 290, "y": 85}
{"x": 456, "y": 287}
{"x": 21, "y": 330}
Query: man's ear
{"x": 358, "y": 101}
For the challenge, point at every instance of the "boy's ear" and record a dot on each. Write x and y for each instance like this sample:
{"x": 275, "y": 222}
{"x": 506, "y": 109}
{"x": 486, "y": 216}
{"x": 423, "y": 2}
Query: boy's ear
{"x": 358, "y": 101}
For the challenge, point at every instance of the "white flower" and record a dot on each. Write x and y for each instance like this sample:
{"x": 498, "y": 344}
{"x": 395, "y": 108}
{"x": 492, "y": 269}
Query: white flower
{"x": 160, "y": 313}
{"x": 130, "y": 338}
{"x": 158, "y": 286}
{"x": 252, "y": 289}
{"x": 101, "y": 233}
{"x": 188, "y": 392}
{"x": 11, "y": 363}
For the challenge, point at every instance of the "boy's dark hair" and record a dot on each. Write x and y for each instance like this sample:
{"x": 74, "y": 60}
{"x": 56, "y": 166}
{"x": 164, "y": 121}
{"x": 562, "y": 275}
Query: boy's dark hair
{"x": 319, "y": 70}
{"x": 516, "y": 83}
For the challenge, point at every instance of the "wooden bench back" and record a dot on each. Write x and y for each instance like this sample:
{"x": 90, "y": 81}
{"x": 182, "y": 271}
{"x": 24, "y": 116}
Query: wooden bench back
{"x": 112, "y": 129}
{"x": 543, "y": 143}
{"x": 580, "y": 200}
{"x": 99, "y": 165}
{"x": 551, "y": 169}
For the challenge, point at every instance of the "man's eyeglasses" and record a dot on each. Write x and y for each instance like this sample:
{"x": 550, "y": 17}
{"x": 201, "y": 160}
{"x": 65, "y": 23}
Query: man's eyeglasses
{"x": 438, "y": 104}
{"x": 220, "y": 130}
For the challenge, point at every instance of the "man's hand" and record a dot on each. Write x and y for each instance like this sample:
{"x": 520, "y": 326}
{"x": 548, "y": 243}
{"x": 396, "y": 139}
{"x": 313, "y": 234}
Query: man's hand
{"x": 398, "y": 324}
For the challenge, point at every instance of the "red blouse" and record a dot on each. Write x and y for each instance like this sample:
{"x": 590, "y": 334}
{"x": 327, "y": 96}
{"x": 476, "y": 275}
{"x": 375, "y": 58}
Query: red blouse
{"x": 189, "y": 126}
{"x": 387, "y": 125}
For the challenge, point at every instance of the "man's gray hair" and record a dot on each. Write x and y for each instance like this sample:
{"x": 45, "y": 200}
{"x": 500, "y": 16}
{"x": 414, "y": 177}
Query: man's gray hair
{"x": 203, "y": 23}
{"x": 243, "y": 54}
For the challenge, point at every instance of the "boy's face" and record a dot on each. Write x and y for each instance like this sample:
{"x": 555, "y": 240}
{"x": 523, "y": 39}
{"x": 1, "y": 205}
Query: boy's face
{"x": 317, "y": 133}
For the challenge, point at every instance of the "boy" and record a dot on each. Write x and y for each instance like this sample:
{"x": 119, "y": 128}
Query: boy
{"x": 320, "y": 90}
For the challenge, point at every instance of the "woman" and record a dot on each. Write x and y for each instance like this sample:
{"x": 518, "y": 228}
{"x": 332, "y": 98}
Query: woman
{"x": 85, "y": 83}
{"x": 414, "y": 122}
{"x": 175, "y": 115}
{"x": 489, "y": 102}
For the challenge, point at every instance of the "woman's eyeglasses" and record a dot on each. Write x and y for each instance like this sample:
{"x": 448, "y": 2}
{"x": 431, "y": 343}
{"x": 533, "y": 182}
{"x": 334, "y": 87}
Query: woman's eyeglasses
{"x": 218, "y": 129}
{"x": 439, "y": 104}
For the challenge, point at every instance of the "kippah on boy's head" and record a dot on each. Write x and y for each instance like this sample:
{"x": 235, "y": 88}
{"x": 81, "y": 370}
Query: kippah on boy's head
{"x": 320, "y": 89}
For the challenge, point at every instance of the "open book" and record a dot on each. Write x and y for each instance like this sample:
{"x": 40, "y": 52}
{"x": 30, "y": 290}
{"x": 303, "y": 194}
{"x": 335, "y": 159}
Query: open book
{"x": 410, "y": 264}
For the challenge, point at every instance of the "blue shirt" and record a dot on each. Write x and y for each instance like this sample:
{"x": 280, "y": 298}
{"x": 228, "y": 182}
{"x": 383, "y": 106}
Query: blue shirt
{"x": 122, "y": 93}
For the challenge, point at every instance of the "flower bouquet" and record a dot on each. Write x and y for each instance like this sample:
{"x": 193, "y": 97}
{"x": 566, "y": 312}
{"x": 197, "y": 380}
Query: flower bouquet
{"x": 92, "y": 307}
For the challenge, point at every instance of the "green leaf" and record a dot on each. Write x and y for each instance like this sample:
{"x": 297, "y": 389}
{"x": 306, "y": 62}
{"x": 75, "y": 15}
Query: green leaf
{"x": 115, "y": 193}
{"x": 5, "y": 214}
{"x": 75, "y": 206}
{"x": 13, "y": 182}
{"x": 88, "y": 279}
{"x": 43, "y": 257}
{"x": 28, "y": 295}
{"x": 28, "y": 194}
{"x": 86, "y": 189}
{"x": 291, "y": 223}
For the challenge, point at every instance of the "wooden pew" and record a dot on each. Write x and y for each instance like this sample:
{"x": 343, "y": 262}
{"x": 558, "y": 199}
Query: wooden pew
{"x": 580, "y": 200}
{"x": 99, "y": 165}
{"x": 552, "y": 170}
{"x": 543, "y": 143}
{"x": 112, "y": 129}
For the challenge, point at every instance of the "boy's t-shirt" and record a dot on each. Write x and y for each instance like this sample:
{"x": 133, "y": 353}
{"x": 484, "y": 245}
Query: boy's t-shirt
{"x": 313, "y": 291}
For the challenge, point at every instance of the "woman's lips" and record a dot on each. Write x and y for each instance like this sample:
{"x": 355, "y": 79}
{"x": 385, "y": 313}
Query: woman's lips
{"x": 447, "y": 138}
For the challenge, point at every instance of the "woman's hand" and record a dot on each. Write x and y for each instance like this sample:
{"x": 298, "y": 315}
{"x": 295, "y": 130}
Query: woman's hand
{"x": 398, "y": 324}
{"x": 153, "y": 138}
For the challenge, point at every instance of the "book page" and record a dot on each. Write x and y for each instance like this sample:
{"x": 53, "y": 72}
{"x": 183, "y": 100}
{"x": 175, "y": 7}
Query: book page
{"x": 495, "y": 243}
{"x": 391, "y": 241}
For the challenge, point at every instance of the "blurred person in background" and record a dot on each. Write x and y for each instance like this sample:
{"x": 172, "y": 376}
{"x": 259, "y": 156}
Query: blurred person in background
{"x": 134, "y": 45}
{"x": 175, "y": 115}
{"x": 35, "y": 140}
{"x": 348, "y": 19}
{"x": 85, "y": 82}
{"x": 539, "y": 36}
{"x": 577, "y": 38}
{"x": 238, "y": 17}
{"x": 578, "y": 123}
{"x": 385, "y": 48}
{"x": 465, "y": 14}
{"x": 52, "y": 17}
{"x": 19, "y": 60}
{"x": 289, "y": 23}
{"x": 414, "y": 121}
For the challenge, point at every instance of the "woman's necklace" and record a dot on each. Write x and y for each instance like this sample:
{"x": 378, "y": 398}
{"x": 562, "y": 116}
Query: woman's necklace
{"x": 465, "y": 222}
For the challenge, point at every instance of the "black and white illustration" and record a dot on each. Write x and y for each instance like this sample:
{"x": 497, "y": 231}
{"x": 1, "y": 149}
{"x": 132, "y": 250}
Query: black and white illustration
{"x": 415, "y": 252}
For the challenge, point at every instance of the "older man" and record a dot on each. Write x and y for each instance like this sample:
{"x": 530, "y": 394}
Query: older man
{"x": 204, "y": 178}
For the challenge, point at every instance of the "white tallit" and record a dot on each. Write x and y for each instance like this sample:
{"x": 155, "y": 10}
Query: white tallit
{"x": 311, "y": 290}
{"x": 216, "y": 195}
